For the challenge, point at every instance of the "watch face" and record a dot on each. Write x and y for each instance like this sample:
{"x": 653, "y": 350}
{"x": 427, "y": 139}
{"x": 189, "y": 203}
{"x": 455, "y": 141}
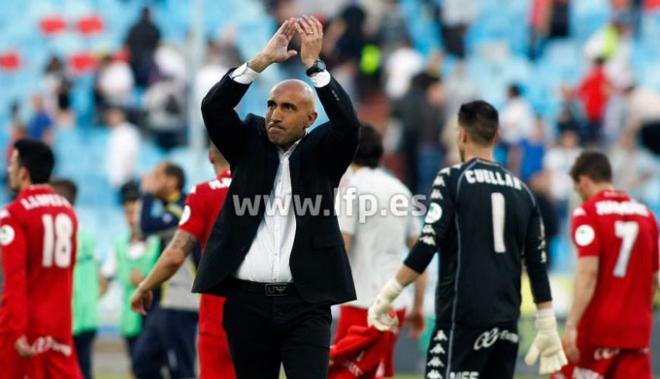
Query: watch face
{"x": 318, "y": 66}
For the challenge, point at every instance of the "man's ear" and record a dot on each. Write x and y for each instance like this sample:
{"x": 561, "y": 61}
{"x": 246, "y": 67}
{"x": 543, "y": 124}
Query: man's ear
{"x": 311, "y": 117}
{"x": 23, "y": 174}
{"x": 462, "y": 136}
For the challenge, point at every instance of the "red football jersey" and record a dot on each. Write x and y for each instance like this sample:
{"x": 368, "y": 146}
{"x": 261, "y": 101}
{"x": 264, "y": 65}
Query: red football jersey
{"x": 203, "y": 206}
{"x": 623, "y": 233}
{"x": 38, "y": 241}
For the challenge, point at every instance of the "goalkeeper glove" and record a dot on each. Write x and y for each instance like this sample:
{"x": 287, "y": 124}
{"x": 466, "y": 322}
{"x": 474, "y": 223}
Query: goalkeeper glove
{"x": 378, "y": 314}
{"x": 547, "y": 344}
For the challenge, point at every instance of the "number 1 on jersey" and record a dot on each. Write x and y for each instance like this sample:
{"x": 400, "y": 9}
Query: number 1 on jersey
{"x": 627, "y": 231}
{"x": 497, "y": 204}
{"x": 57, "y": 240}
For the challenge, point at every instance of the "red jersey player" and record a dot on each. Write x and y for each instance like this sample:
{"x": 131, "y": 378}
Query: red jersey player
{"x": 203, "y": 206}
{"x": 38, "y": 242}
{"x": 608, "y": 329}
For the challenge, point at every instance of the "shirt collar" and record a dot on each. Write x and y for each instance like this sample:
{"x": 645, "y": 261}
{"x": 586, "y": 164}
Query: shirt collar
{"x": 482, "y": 160}
{"x": 611, "y": 193}
{"x": 36, "y": 188}
{"x": 287, "y": 153}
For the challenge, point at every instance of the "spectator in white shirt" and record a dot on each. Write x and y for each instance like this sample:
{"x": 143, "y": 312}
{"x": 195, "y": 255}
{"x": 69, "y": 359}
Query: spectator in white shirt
{"x": 114, "y": 82}
{"x": 517, "y": 123}
{"x": 558, "y": 161}
{"x": 401, "y": 67}
{"x": 517, "y": 120}
{"x": 122, "y": 154}
{"x": 207, "y": 76}
{"x": 377, "y": 225}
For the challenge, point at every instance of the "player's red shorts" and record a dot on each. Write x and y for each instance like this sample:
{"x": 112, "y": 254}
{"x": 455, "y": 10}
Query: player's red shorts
{"x": 214, "y": 358}
{"x": 352, "y": 316}
{"x": 53, "y": 360}
{"x": 609, "y": 364}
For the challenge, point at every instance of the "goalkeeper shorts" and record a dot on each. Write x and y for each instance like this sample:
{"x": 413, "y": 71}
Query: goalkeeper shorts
{"x": 462, "y": 353}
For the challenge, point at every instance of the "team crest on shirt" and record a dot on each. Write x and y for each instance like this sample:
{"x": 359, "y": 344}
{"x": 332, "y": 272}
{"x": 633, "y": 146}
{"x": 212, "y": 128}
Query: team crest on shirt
{"x": 434, "y": 213}
{"x": 584, "y": 235}
{"x": 7, "y": 235}
{"x": 185, "y": 216}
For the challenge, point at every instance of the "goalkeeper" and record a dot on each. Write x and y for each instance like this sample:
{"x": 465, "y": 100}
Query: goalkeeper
{"x": 486, "y": 224}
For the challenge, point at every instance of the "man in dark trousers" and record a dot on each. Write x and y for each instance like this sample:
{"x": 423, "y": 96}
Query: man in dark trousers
{"x": 168, "y": 336}
{"x": 276, "y": 251}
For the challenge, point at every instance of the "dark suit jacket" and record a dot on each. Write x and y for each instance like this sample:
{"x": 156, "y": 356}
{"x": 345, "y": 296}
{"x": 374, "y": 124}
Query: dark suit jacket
{"x": 318, "y": 262}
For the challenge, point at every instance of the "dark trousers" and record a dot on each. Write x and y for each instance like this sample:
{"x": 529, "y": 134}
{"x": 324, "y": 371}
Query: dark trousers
{"x": 167, "y": 340}
{"x": 267, "y": 331}
{"x": 84, "y": 342}
{"x": 130, "y": 346}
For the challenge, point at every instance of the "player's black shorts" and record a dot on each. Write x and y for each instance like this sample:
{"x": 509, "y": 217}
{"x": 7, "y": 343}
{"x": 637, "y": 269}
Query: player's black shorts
{"x": 472, "y": 353}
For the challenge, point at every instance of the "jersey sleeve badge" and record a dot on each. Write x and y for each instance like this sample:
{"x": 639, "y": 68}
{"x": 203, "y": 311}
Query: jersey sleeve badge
{"x": 7, "y": 235}
{"x": 434, "y": 213}
{"x": 584, "y": 235}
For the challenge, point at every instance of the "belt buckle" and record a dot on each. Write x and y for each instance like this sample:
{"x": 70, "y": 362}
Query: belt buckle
{"x": 275, "y": 289}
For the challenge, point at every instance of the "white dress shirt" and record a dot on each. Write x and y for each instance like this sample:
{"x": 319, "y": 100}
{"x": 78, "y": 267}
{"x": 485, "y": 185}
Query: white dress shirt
{"x": 267, "y": 261}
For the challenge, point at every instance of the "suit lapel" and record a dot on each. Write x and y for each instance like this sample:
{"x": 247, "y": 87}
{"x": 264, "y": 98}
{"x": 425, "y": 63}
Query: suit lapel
{"x": 295, "y": 163}
{"x": 271, "y": 164}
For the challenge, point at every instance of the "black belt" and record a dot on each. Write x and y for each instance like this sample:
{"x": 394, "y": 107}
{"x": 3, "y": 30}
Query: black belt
{"x": 266, "y": 289}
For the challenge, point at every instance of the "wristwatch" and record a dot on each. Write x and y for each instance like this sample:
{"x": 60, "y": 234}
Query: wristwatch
{"x": 317, "y": 67}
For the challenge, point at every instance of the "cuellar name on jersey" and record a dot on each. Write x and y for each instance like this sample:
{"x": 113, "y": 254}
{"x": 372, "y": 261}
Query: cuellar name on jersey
{"x": 490, "y": 177}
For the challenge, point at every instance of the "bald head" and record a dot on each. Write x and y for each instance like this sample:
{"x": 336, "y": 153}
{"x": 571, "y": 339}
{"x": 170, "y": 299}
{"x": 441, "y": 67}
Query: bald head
{"x": 296, "y": 86}
{"x": 290, "y": 112}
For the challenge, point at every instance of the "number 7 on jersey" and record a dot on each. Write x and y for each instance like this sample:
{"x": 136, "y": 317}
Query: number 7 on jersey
{"x": 627, "y": 231}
